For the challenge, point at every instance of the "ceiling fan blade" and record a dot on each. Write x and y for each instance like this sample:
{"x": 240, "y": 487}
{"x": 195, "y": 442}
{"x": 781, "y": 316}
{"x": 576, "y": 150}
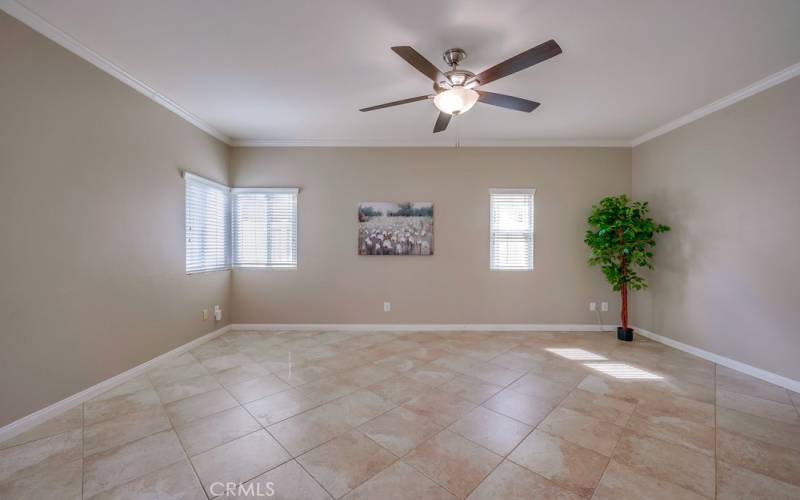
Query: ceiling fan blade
{"x": 507, "y": 101}
{"x": 441, "y": 122}
{"x": 416, "y": 59}
{"x": 521, "y": 61}
{"x": 397, "y": 103}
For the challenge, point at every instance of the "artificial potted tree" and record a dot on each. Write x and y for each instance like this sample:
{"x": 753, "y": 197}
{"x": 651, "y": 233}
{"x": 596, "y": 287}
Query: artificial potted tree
{"x": 621, "y": 238}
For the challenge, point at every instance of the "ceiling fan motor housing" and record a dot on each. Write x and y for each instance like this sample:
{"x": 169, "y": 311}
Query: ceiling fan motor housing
{"x": 455, "y": 77}
{"x": 453, "y": 57}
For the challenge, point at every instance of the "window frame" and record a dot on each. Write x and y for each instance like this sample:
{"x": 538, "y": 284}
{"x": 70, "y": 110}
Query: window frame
{"x": 191, "y": 177}
{"x": 290, "y": 190}
{"x": 523, "y": 191}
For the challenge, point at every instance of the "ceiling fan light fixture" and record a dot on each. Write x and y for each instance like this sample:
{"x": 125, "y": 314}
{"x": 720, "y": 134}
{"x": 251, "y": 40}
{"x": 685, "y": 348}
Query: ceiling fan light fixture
{"x": 455, "y": 101}
{"x": 455, "y": 89}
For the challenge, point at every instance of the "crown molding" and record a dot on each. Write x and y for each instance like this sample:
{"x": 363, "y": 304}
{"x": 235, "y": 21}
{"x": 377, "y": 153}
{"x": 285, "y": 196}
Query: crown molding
{"x": 741, "y": 94}
{"x": 44, "y": 27}
{"x": 433, "y": 143}
{"x": 39, "y": 24}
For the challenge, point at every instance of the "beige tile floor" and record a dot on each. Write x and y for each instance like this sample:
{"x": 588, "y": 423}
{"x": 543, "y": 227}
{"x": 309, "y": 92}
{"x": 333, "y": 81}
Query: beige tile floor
{"x": 480, "y": 415}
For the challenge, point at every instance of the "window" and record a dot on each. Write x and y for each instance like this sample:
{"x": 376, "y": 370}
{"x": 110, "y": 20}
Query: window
{"x": 207, "y": 225}
{"x": 511, "y": 228}
{"x": 265, "y": 228}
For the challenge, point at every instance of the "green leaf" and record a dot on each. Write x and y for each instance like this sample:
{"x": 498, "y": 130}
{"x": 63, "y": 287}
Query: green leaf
{"x": 620, "y": 239}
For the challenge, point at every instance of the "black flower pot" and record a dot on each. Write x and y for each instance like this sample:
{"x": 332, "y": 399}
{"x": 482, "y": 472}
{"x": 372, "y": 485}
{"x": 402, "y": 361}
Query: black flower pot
{"x": 625, "y": 335}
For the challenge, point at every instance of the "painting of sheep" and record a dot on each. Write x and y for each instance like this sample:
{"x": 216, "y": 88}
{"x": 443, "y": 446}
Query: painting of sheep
{"x": 395, "y": 228}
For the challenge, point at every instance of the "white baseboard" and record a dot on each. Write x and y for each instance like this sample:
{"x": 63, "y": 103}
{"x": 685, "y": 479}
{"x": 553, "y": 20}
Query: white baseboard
{"x": 28, "y": 422}
{"x": 772, "y": 378}
{"x": 438, "y": 327}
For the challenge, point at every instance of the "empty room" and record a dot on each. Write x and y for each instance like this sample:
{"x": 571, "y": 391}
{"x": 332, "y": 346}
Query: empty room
{"x": 386, "y": 250}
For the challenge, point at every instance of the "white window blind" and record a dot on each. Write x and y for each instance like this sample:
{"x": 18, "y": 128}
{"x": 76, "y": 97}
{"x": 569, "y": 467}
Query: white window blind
{"x": 511, "y": 228}
{"x": 207, "y": 225}
{"x": 265, "y": 227}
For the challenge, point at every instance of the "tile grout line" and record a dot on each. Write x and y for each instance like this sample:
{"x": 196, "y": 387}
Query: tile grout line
{"x": 356, "y": 429}
{"x": 146, "y": 474}
{"x": 395, "y": 373}
{"x": 535, "y": 427}
{"x": 171, "y": 429}
{"x": 194, "y": 471}
{"x": 292, "y": 458}
{"x": 174, "y": 429}
{"x": 439, "y": 432}
{"x": 400, "y": 458}
{"x": 313, "y": 478}
{"x": 624, "y": 427}
{"x": 718, "y": 460}
{"x": 199, "y": 420}
{"x": 503, "y": 387}
{"x": 29, "y": 441}
{"x": 656, "y": 438}
{"x": 433, "y": 480}
{"x": 239, "y": 405}
{"x": 616, "y": 446}
{"x": 189, "y": 460}
{"x": 82, "y": 457}
{"x": 396, "y": 459}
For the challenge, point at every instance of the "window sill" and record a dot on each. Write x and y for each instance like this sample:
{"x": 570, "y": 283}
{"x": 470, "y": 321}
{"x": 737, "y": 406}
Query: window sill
{"x": 265, "y": 268}
{"x": 195, "y": 273}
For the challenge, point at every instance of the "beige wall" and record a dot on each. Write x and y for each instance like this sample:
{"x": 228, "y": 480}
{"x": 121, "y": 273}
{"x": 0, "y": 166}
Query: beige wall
{"x": 728, "y": 275}
{"x": 334, "y": 285}
{"x": 91, "y": 223}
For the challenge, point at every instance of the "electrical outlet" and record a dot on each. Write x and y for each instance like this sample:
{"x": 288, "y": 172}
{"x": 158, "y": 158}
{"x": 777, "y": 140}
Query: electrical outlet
{"x": 387, "y": 306}
{"x": 604, "y": 306}
{"x": 592, "y": 306}
{"x": 205, "y": 314}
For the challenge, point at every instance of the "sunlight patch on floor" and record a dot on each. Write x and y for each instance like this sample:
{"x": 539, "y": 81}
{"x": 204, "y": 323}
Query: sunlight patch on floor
{"x": 576, "y": 354}
{"x": 621, "y": 370}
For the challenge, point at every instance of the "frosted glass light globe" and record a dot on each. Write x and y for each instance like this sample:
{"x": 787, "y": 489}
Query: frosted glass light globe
{"x": 457, "y": 100}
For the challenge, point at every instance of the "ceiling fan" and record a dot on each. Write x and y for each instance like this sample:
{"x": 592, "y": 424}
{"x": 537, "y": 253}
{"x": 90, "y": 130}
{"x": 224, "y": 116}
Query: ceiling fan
{"x": 455, "y": 92}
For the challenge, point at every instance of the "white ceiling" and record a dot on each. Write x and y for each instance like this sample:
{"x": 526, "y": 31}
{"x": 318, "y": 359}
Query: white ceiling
{"x": 299, "y": 70}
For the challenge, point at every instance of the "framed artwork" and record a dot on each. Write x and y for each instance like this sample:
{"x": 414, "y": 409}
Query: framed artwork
{"x": 386, "y": 228}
